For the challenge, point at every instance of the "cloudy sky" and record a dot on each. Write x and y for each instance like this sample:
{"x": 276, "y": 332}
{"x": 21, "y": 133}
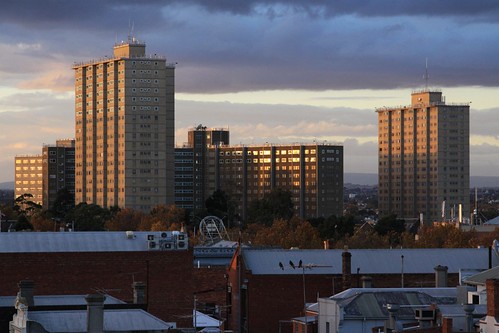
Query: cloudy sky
{"x": 271, "y": 71}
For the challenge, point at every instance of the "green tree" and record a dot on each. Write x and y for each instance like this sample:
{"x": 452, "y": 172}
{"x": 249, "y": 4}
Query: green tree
{"x": 24, "y": 205}
{"x": 22, "y": 224}
{"x": 275, "y": 205}
{"x": 89, "y": 217}
{"x": 335, "y": 228}
{"x": 388, "y": 224}
{"x": 64, "y": 202}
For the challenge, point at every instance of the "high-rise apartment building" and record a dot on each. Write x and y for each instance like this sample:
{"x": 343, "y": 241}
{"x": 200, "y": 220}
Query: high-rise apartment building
{"x": 313, "y": 173}
{"x": 124, "y": 114}
{"x": 424, "y": 165}
{"x": 58, "y": 170}
{"x": 193, "y": 171}
{"x": 29, "y": 177}
{"x": 44, "y": 175}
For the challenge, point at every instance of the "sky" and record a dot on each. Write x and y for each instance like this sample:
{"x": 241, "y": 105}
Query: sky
{"x": 271, "y": 71}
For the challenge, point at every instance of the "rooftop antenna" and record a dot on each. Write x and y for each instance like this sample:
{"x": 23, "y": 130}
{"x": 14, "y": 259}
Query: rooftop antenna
{"x": 130, "y": 30}
{"x": 426, "y": 76}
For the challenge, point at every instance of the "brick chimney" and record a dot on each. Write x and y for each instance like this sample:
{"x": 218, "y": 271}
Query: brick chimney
{"x": 440, "y": 276}
{"x": 367, "y": 282}
{"x": 447, "y": 325}
{"x": 139, "y": 295}
{"x": 95, "y": 313}
{"x": 26, "y": 288}
{"x": 346, "y": 268}
{"x": 492, "y": 297}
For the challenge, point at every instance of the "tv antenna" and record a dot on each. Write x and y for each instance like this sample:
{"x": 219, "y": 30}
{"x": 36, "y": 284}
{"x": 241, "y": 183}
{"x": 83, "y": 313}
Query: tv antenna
{"x": 426, "y": 76}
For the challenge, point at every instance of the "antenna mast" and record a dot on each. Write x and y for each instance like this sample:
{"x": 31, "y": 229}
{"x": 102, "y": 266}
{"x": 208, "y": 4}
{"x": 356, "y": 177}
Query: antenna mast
{"x": 426, "y": 76}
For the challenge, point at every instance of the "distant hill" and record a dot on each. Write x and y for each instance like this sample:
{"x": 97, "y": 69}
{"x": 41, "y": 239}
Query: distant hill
{"x": 371, "y": 179}
{"x": 484, "y": 181}
{"x": 7, "y": 186}
{"x": 360, "y": 178}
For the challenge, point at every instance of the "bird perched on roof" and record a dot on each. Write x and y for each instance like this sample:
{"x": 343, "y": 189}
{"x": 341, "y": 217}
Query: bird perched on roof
{"x": 281, "y": 265}
{"x": 300, "y": 264}
{"x": 291, "y": 264}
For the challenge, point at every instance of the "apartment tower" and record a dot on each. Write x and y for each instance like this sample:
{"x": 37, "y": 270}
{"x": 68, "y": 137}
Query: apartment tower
{"x": 124, "y": 114}
{"x": 58, "y": 170}
{"x": 424, "y": 166}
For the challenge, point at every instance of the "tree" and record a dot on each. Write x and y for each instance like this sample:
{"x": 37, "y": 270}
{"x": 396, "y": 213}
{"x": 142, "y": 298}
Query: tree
{"x": 124, "y": 220}
{"x": 284, "y": 233}
{"x": 89, "y": 217}
{"x": 217, "y": 204}
{"x": 23, "y": 224}
{"x": 389, "y": 223}
{"x": 335, "y": 228}
{"x": 164, "y": 217}
{"x": 275, "y": 205}
{"x": 64, "y": 202}
{"x": 24, "y": 205}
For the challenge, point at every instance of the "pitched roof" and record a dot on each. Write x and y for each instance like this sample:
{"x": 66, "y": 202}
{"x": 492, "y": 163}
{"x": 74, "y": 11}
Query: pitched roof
{"x": 114, "y": 320}
{"x": 369, "y": 261}
{"x": 480, "y": 278}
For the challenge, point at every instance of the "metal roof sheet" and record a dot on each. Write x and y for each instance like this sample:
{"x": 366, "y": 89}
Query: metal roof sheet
{"x": 80, "y": 241}
{"x": 368, "y": 261}
{"x": 114, "y": 320}
{"x": 44, "y": 300}
{"x": 482, "y": 277}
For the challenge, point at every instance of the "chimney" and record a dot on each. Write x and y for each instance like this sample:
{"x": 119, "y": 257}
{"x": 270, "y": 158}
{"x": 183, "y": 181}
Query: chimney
{"x": 367, "y": 282}
{"x": 468, "y": 309}
{"x": 492, "y": 297}
{"x": 139, "y": 295}
{"x": 346, "y": 268}
{"x": 26, "y": 288}
{"x": 447, "y": 325}
{"x": 392, "y": 320}
{"x": 326, "y": 244}
{"x": 440, "y": 276}
{"x": 95, "y": 313}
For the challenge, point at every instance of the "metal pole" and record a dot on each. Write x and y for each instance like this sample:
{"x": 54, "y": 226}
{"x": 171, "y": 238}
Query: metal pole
{"x": 402, "y": 270}
{"x": 304, "y": 299}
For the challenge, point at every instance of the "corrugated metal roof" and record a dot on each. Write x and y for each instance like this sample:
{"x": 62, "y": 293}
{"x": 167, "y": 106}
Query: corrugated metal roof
{"x": 44, "y": 300}
{"x": 114, "y": 320}
{"x": 371, "y": 302}
{"x": 104, "y": 241}
{"x": 482, "y": 277}
{"x": 369, "y": 261}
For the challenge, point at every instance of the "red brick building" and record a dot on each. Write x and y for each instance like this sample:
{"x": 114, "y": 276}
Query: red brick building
{"x": 266, "y": 292}
{"x": 109, "y": 262}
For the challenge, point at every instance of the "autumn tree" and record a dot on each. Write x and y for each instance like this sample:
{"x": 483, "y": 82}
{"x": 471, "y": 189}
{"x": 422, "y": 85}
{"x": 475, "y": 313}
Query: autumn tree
{"x": 286, "y": 234}
{"x": 125, "y": 219}
{"x": 164, "y": 217}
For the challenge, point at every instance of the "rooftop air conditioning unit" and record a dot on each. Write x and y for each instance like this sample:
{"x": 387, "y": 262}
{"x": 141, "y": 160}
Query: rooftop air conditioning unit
{"x": 152, "y": 245}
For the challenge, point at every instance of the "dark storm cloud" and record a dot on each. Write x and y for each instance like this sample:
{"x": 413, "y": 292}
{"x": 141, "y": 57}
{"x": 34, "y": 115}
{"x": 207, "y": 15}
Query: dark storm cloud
{"x": 229, "y": 46}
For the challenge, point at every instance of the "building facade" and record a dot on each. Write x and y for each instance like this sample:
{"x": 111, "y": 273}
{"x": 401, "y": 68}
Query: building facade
{"x": 58, "y": 170}
{"x": 194, "y": 173}
{"x": 124, "y": 114}
{"x": 424, "y": 165}
{"x": 313, "y": 173}
{"x": 29, "y": 177}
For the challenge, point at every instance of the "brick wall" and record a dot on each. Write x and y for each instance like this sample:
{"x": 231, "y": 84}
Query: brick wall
{"x": 170, "y": 277}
